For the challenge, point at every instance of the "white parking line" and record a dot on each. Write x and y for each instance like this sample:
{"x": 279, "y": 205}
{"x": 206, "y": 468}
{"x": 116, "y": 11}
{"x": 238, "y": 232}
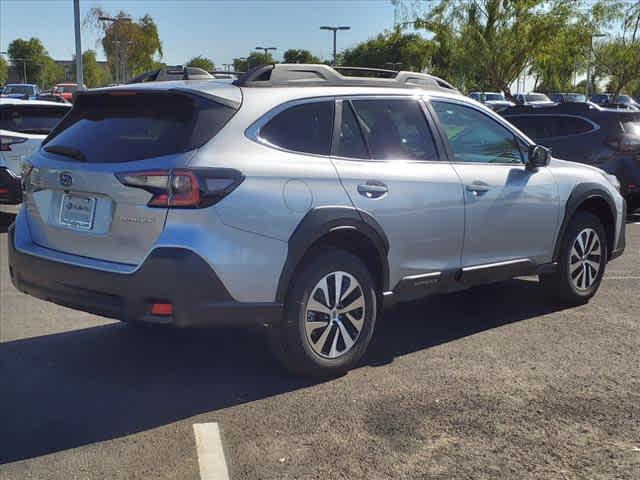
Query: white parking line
{"x": 210, "y": 453}
{"x": 630, "y": 277}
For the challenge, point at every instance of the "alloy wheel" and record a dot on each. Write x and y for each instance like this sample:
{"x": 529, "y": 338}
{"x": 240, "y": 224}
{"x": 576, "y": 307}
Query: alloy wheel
{"x": 585, "y": 259}
{"x": 334, "y": 315}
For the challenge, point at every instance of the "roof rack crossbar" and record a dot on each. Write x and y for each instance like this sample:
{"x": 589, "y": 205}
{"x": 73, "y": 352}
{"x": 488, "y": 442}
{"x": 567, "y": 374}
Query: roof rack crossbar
{"x": 299, "y": 75}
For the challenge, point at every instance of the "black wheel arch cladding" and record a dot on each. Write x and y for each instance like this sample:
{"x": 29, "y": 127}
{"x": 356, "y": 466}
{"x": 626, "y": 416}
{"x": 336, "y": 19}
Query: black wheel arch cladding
{"x": 322, "y": 222}
{"x": 582, "y": 193}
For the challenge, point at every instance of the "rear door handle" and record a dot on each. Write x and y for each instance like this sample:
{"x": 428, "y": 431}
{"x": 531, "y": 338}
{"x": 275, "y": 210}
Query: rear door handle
{"x": 478, "y": 188}
{"x": 372, "y": 189}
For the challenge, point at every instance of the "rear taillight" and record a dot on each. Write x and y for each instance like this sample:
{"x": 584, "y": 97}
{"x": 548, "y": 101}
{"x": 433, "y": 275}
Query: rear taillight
{"x": 6, "y": 142}
{"x": 624, "y": 143}
{"x": 184, "y": 188}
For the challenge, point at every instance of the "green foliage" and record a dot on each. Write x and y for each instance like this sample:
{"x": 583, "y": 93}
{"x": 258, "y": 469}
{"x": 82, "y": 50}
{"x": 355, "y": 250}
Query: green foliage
{"x": 253, "y": 60}
{"x": 619, "y": 56}
{"x": 299, "y": 56}
{"x": 132, "y": 47}
{"x": 4, "y": 71}
{"x": 52, "y": 73}
{"x": 410, "y": 50}
{"x": 201, "y": 62}
{"x": 33, "y": 53}
{"x": 93, "y": 74}
{"x": 486, "y": 44}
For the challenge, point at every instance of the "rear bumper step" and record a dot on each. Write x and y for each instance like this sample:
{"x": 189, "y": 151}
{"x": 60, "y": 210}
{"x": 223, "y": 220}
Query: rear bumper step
{"x": 170, "y": 275}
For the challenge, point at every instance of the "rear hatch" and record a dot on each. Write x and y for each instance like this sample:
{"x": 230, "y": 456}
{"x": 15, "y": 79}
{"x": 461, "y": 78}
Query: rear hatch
{"x": 23, "y": 128}
{"x": 76, "y": 199}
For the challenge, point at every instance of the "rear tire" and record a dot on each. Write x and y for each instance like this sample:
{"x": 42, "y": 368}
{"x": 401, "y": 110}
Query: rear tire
{"x": 323, "y": 334}
{"x": 581, "y": 262}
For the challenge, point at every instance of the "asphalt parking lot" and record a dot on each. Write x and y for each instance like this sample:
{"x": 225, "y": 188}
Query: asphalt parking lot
{"x": 492, "y": 383}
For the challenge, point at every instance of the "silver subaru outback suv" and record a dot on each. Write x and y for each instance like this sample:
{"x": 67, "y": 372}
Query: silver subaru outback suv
{"x": 300, "y": 199}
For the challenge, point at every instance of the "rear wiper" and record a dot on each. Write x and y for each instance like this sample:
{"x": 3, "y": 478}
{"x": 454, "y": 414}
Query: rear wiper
{"x": 66, "y": 151}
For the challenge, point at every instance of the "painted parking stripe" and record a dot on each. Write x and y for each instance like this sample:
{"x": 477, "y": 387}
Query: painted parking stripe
{"x": 210, "y": 453}
{"x": 629, "y": 277}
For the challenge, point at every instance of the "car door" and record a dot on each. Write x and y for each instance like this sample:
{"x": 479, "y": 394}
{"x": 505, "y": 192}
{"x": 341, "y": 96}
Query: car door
{"x": 512, "y": 211}
{"x": 393, "y": 168}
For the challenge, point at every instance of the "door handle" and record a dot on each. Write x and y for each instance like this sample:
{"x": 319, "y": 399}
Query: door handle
{"x": 372, "y": 189}
{"x": 478, "y": 188}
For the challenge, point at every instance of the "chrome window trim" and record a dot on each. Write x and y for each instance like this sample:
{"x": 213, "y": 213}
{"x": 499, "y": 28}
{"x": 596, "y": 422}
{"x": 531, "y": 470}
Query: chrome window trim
{"x": 253, "y": 131}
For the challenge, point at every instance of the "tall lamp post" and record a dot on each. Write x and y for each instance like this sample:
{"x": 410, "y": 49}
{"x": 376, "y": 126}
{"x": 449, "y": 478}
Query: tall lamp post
{"x": 266, "y": 50}
{"x": 587, "y": 87}
{"x": 335, "y": 32}
{"x": 76, "y": 27}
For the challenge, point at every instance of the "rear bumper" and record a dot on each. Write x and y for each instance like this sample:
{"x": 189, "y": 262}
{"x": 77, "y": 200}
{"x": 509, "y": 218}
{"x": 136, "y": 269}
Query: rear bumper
{"x": 169, "y": 275}
{"x": 618, "y": 249}
{"x": 10, "y": 188}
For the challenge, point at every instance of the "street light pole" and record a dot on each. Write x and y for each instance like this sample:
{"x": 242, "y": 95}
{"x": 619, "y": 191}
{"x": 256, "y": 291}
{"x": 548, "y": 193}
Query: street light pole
{"x": 116, "y": 21}
{"x": 335, "y": 32}
{"x": 76, "y": 24}
{"x": 266, "y": 49}
{"x": 587, "y": 87}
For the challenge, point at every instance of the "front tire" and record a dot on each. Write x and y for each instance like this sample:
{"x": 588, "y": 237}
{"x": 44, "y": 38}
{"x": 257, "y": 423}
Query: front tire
{"x": 329, "y": 317}
{"x": 581, "y": 263}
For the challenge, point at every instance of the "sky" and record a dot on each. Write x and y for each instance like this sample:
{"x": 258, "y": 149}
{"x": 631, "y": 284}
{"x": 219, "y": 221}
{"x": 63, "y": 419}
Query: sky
{"x": 217, "y": 29}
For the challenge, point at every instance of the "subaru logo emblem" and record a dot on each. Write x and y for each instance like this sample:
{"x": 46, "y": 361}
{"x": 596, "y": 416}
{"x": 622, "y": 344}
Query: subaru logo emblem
{"x": 65, "y": 179}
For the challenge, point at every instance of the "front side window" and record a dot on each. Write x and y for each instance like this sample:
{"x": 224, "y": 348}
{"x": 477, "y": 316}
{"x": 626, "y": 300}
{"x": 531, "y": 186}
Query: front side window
{"x": 305, "y": 128}
{"x": 395, "y": 129}
{"x": 475, "y": 137}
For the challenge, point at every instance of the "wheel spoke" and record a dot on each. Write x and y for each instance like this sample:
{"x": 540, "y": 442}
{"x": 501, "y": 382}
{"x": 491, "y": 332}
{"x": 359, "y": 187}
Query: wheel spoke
{"x": 324, "y": 287}
{"x": 346, "y": 337}
{"x": 322, "y": 339}
{"x": 312, "y": 325}
{"x": 356, "y": 322}
{"x": 333, "y": 352}
{"x": 354, "y": 305}
{"x": 316, "y": 306}
{"x": 594, "y": 265}
{"x": 580, "y": 243}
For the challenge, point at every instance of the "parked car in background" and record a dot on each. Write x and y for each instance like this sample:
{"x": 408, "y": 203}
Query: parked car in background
{"x": 494, "y": 100}
{"x": 146, "y": 204}
{"x": 586, "y": 133}
{"x": 568, "y": 97}
{"x": 51, "y": 97}
{"x": 532, "y": 98}
{"x": 66, "y": 90}
{"x": 609, "y": 100}
{"x": 23, "y": 126}
{"x": 24, "y": 91}
{"x": 172, "y": 73}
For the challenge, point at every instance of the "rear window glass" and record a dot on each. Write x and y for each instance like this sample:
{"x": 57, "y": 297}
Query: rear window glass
{"x": 18, "y": 89}
{"x": 31, "y": 119}
{"x": 303, "y": 128}
{"x": 109, "y": 128}
{"x": 548, "y": 126}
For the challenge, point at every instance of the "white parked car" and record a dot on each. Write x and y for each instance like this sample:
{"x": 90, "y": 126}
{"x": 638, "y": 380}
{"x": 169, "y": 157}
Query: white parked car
{"x": 23, "y": 126}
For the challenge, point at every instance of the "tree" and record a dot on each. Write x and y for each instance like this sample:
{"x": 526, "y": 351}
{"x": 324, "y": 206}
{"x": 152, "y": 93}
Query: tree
{"x": 404, "y": 51}
{"x": 619, "y": 57}
{"x": 299, "y": 56}
{"x": 52, "y": 73}
{"x": 29, "y": 57}
{"x": 4, "y": 71}
{"x": 253, "y": 60}
{"x": 131, "y": 47}
{"x": 486, "y": 44}
{"x": 202, "y": 62}
{"x": 93, "y": 74}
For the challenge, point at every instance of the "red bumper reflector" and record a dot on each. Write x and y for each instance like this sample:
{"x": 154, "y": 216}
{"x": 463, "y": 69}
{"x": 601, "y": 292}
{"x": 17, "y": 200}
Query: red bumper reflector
{"x": 4, "y": 190}
{"x": 162, "y": 309}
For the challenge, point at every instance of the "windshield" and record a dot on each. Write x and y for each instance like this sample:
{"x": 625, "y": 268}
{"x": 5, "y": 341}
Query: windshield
{"x": 494, "y": 97}
{"x": 575, "y": 98}
{"x": 21, "y": 89}
{"x": 31, "y": 119}
{"x": 537, "y": 97}
{"x": 624, "y": 99}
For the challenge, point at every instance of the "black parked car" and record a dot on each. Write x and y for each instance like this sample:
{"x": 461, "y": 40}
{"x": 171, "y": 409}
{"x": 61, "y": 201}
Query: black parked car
{"x": 586, "y": 133}
{"x": 623, "y": 102}
{"x": 568, "y": 97}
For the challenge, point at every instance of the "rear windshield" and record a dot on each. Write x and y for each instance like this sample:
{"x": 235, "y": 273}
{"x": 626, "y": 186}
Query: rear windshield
{"x": 21, "y": 89}
{"x": 537, "y": 97}
{"x": 31, "y": 118}
{"x": 492, "y": 97}
{"x": 121, "y": 127}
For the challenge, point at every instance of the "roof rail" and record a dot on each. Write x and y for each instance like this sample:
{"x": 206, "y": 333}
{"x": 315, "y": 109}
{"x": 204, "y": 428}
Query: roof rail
{"x": 314, "y": 75}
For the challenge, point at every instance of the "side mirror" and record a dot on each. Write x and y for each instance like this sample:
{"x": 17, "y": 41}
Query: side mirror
{"x": 539, "y": 156}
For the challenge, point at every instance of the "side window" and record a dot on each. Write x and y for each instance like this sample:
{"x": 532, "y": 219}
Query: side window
{"x": 535, "y": 127}
{"x": 567, "y": 126}
{"x": 475, "y": 137}
{"x": 303, "y": 128}
{"x": 395, "y": 129}
{"x": 350, "y": 141}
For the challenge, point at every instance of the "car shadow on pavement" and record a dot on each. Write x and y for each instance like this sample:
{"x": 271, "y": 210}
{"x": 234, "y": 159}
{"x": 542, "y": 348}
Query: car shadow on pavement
{"x": 75, "y": 388}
